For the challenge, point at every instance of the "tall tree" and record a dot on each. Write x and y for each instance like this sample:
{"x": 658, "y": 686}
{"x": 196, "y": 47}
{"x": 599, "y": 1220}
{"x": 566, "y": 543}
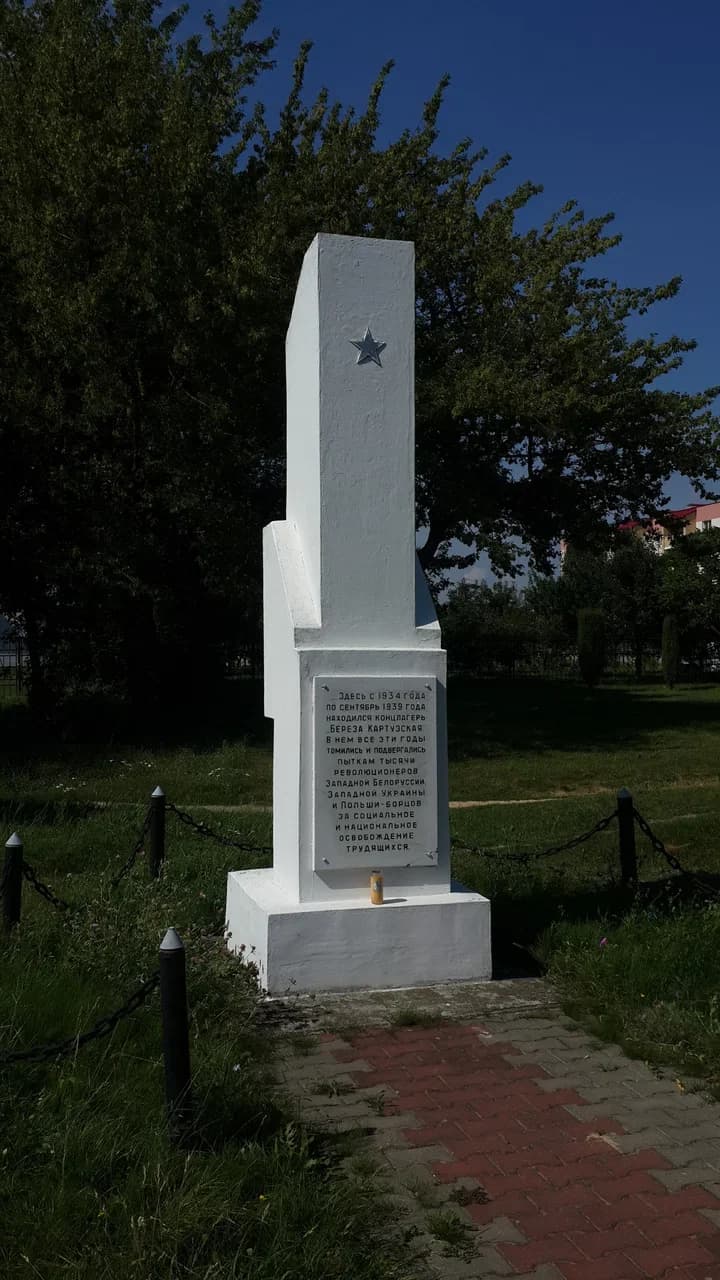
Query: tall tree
{"x": 690, "y": 589}
{"x": 631, "y": 598}
{"x": 131, "y": 471}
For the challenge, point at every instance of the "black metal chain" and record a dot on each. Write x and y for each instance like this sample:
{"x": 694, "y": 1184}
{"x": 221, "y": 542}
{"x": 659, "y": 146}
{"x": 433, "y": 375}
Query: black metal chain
{"x": 707, "y": 886}
{"x": 203, "y": 829}
{"x": 103, "y": 1027}
{"x": 44, "y": 890}
{"x": 536, "y": 856}
{"x": 137, "y": 849}
{"x": 657, "y": 844}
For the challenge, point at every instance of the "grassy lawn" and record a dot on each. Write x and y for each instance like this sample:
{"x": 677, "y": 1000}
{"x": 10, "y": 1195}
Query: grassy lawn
{"x": 508, "y": 740}
{"x": 555, "y": 738}
{"x": 90, "y": 1186}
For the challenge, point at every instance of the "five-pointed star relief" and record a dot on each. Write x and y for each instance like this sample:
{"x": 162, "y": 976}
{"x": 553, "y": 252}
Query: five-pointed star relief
{"x": 369, "y": 349}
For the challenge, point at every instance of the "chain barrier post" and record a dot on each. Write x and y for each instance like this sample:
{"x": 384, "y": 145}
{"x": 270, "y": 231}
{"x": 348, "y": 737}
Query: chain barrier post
{"x": 12, "y": 882}
{"x": 203, "y": 829}
{"x": 175, "y": 1033}
{"x": 157, "y": 832}
{"x": 626, "y": 831}
{"x": 103, "y": 1027}
{"x": 524, "y": 859}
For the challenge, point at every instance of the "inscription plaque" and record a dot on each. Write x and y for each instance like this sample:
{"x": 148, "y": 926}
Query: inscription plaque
{"x": 375, "y": 771}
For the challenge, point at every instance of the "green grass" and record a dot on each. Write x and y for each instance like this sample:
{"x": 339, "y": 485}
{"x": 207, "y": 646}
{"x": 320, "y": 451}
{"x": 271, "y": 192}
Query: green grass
{"x": 89, "y": 1184}
{"x": 91, "y": 1187}
{"x": 457, "y": 1235}
{"x": 528, "y": 739}
{"x": 508, "y": 740}
{"x": 650, "y": 982}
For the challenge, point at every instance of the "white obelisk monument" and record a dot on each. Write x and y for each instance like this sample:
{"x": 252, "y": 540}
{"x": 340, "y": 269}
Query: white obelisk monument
{"x": 354, "y": 669}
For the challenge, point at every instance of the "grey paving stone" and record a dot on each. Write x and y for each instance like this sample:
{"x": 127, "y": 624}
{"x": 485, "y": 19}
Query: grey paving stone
{"x": 692, "y": 1175}
{"x": 375, "y": 1091}
{"x": 534, "y": 1057}
{"x": 353, "y": 1124}
{"x": 582, "y": 1069}
{"x": 502, "y": 1229}
{"x": 695, "y": 1154}
{"x": 424, "y": 1177}
{"x": 554, "y": 1083}
{"x": 650, "y": 1087}
{"x": 712, "y": 1215}
{"x": 609, "y": 1091}
{"x": 419, "y": 1155}
{"x": 632, "y": 1119}
{"x": 643, "y": 1140}
{"x": 482, "y": 1265}
{"x": 694, "y": 1129}
{"x": 392, "y": 1140}
{"x": 354, "y": 1111}
{"x": 548, "y": 1271}
{"x": 391, "y": 1124}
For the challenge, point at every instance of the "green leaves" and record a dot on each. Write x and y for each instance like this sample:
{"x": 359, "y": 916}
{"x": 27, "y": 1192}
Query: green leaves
{"x": 125, "y": 355}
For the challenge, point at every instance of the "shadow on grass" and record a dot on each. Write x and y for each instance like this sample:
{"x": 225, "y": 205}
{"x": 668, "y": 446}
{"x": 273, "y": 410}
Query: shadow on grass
{"x": 488, "y": 719}
{"x": 519, "y": 919}
{"x": 233, "y": 713}
{"x": 223, "y": 1120}
{"x": 494, "y": 718}
{"x": 48, "y": 813}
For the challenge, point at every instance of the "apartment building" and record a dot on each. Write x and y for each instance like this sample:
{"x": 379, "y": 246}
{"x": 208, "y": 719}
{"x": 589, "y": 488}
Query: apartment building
{"x": 698, "y": 517}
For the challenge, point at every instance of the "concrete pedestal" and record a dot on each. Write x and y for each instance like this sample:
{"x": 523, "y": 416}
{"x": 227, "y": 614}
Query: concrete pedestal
{"x": 348, "y": 944}
{"x": 355, "y": 672}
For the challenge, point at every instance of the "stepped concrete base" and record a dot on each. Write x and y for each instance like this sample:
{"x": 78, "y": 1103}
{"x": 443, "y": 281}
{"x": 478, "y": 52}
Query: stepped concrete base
{"x": 351, "y": 945}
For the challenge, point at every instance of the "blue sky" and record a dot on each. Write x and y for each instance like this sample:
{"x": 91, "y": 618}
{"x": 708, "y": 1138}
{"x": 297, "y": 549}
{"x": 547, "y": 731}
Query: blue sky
{"x": 617, "y": 106}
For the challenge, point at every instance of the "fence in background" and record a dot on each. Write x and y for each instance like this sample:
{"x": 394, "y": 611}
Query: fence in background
{"x": 13, "y": 666}
{"x": 526, "y": 658}
{"x": 496, "y": 656}
{"x": 505, "y": 657}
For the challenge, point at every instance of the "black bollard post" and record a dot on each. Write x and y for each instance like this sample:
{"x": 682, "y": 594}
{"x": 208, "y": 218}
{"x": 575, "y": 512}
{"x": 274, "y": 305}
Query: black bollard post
{"x": 12, "y": 882}
{"x": 175, "y": 1033}
{"x": 626, "y": 829}
{"x": 157, "y": 832}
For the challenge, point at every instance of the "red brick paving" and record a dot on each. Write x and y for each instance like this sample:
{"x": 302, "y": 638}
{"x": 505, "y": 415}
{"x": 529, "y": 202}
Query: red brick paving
{"x": 592, "y": 1211}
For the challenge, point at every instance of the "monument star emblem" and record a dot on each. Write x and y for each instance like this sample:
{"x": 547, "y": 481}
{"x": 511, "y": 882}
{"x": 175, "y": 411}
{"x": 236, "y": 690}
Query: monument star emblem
{"x": 369, "y": 349}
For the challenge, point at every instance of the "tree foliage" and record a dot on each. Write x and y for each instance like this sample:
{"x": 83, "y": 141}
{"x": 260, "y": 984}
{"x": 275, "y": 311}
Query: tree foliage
{"x": 131, "y": 472}
{"x": 152, "y": 228}
{"x": 591, "y": 645}
{"x": 670, "y": 650}
{"x": 489, "y": 627}
{"x": 691, "y": 587}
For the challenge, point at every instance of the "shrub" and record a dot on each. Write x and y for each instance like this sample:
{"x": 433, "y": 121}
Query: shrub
{"x": 591, "y": 645}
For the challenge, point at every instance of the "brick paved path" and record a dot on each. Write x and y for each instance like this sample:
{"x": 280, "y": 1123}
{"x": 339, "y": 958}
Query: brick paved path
{"x": 555, "y": 1158}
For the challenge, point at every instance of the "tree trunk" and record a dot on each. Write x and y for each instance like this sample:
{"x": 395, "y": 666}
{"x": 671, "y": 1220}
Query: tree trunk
{"x": 38, "y": 695}
{"x": 638, "y": 658}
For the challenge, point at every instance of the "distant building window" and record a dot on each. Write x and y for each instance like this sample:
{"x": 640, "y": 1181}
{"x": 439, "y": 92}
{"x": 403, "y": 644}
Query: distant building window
{"x": 706, "y": 524}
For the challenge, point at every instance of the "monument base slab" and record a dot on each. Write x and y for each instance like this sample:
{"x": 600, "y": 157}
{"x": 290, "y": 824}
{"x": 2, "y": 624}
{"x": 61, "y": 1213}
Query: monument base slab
{"x": 349, "y": 944}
